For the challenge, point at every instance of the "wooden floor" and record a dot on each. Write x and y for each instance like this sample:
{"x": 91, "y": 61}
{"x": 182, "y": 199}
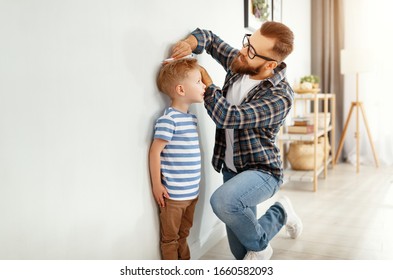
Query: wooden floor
{"x": 350, "y": 217}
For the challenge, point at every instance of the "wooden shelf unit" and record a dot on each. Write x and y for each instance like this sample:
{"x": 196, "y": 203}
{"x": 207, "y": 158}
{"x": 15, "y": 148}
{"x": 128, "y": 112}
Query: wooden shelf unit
{"x": 314, "y": 100}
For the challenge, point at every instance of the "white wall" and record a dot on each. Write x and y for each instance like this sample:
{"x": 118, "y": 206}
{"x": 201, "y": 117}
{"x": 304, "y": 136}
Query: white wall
{"x": 297, "y": 15}
{"x": 78, "y": 102}
{"x": 368, "y": 25}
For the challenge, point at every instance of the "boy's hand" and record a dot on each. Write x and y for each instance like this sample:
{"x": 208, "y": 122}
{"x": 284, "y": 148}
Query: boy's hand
{"x": 205, "y": 76}
{"x": 160, "y": 193}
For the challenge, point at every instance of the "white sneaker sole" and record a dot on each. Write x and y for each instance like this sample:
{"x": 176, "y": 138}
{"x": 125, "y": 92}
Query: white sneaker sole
{"x": 294, "y": 225}
{"x": 266, "y": 254}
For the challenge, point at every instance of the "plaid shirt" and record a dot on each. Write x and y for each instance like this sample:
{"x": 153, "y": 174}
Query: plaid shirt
{"x": 256, "y": 121}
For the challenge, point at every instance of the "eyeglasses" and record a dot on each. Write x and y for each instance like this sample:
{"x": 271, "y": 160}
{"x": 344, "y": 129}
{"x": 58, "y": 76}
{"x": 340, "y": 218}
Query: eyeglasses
{"x": 251, "y": 51}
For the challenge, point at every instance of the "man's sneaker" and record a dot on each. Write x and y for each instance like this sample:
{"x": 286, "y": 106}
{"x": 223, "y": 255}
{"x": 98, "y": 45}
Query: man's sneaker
{"x": 294, "y": 225}
{"x": 265, "y": 254}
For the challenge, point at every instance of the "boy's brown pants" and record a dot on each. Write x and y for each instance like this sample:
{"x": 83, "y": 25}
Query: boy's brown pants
{"x": 176, "y": 219}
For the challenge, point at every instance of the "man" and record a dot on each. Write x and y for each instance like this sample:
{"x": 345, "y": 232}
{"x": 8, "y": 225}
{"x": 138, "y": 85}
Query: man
{"x": 248, "y": 112}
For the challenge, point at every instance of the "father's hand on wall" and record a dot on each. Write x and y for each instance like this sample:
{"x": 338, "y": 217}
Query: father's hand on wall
{"x": 184, "y": 47}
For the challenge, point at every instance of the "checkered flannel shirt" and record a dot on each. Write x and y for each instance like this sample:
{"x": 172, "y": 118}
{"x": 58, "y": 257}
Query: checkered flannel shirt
{"x": 256, "y": 121}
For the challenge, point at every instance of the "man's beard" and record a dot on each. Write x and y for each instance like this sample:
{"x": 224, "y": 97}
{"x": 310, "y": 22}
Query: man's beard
{"x": 241, "y": 66}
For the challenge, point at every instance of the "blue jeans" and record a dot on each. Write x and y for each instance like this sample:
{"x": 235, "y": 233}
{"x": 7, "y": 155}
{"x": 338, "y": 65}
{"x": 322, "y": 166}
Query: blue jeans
{"x": 235, "y": 203}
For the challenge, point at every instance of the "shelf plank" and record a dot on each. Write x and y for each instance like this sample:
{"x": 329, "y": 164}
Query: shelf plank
{"x": 308, "y": 96}
{"x": 302, "y": 137}
{"x": 303, "y": 176}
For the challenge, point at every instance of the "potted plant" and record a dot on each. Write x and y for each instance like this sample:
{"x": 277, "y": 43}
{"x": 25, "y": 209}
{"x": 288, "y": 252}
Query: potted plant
{"x": 309, "y": 82}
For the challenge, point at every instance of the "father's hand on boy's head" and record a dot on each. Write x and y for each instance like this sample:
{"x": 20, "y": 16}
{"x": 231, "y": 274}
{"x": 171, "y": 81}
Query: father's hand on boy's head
{"x": 206, "y": 79}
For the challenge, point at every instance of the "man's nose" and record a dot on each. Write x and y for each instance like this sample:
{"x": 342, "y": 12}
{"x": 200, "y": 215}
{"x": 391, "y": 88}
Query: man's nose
{"x": 244, "y": 51}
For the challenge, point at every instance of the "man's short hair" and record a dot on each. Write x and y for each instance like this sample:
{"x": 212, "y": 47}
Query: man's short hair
{"x": 283, "y": 35}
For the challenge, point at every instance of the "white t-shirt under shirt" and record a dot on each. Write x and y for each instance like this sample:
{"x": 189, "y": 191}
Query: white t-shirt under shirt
{"x": 235, "y": 95}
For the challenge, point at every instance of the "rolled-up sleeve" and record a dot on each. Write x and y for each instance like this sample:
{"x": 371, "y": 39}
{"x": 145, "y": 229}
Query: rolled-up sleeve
{"x": 215, "y": 46}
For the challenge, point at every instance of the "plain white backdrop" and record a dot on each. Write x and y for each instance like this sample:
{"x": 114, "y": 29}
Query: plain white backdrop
{"x": 78, "y": 101}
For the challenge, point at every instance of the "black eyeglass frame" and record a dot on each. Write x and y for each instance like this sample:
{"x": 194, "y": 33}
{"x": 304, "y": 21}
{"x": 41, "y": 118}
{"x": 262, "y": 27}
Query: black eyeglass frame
{"x": 249, "y": 46}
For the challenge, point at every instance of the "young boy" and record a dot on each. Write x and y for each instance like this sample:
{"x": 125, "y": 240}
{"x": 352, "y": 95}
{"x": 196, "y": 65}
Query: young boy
{"x": 175, "y": 159}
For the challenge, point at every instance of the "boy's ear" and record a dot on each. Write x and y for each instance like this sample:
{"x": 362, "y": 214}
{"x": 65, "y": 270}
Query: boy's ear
{"x": 180, "y": 90}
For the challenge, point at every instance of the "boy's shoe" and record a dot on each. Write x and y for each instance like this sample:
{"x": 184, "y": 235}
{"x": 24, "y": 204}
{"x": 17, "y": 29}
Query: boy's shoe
{"x": 265, "y": 254}
{"x": 293, "y": 225}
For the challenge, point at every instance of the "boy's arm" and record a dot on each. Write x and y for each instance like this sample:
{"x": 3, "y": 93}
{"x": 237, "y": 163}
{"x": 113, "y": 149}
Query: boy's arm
{"x": 159, "y": 191}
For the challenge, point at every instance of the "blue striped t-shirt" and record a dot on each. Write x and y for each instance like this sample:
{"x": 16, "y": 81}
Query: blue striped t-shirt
{"x": 181, "y": 157}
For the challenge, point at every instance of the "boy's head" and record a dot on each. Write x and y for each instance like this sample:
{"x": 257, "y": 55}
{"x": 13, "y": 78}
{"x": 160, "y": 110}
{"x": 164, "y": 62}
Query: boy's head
{"x": 181, "y": 78}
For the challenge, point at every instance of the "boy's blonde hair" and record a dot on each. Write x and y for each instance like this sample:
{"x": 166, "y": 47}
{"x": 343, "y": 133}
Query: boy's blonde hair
{"x": 171, "y": 74}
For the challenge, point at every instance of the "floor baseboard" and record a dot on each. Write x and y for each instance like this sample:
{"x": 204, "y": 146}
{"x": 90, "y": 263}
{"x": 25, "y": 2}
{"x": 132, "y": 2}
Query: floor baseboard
{"x": 204, "y": 244}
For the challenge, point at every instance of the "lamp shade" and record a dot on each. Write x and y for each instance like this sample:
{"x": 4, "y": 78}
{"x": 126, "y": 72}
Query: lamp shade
{"x": 356, "y": 60}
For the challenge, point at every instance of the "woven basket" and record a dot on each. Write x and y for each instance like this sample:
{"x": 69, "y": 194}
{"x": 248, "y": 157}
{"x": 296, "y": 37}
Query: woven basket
{"x": 301, "y": 155}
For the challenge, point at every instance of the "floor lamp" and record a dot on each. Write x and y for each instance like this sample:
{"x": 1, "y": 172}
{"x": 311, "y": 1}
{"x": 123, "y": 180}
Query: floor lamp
{"x": 354, "y": 62}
